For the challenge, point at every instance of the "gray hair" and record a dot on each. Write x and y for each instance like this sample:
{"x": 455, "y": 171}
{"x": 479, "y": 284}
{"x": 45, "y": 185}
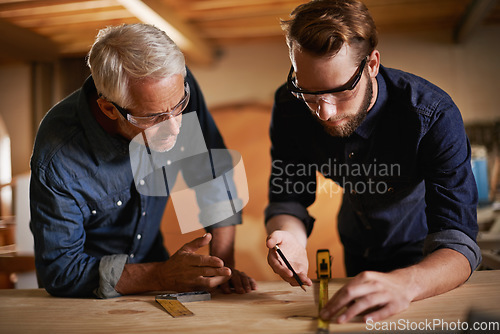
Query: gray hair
{"x": 128, "y": 52}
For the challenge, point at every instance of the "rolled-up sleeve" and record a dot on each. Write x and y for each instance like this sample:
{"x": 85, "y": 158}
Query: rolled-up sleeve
{"x": 456, "y": 240}
{"x": 110, "y": 271}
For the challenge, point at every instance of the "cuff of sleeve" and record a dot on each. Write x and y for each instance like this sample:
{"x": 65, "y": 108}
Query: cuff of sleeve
{"x": 233, "y": 220}
{"x": 110, "y": 271}
{"x": 293, "y": 209}
{"x": 456, "y": 240}
{"x": 210, "y": 217}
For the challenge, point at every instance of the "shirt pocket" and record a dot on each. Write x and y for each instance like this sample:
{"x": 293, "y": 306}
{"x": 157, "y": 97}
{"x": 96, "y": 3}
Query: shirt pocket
{"x": 106, "y": 211}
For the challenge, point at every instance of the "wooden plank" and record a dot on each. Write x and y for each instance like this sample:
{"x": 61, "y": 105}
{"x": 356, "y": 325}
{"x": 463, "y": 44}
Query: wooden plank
{"x": 274, "y": 307}
{"x": 76, "y": 39}
{"x": 52, "y": 8}
{"x": 236, "y": 10}
{"x": 249, "y": 23}
{"x": 242, "y": 32}
{"x": 222, "y": 41}
{"x": 81, "y": 28}
{"x": 79, "y": 17}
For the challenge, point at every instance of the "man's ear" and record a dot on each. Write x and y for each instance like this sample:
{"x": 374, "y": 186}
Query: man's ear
{"x": 107, "y": 108}
{"x": 374, "y": 63}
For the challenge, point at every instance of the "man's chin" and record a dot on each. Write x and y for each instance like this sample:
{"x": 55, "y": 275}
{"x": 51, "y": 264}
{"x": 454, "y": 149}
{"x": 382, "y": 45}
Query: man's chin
{"x": 163, "y": 145}
{"x": 343, "y": 127}
{"x": 340, "y": 128}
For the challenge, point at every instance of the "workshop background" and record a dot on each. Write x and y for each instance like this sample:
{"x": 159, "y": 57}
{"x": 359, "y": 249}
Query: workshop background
{"x": 238, "y": 54}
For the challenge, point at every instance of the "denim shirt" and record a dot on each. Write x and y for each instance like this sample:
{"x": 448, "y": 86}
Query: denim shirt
{"x": 87, "y": 217}
{"x": 405, "y": 171}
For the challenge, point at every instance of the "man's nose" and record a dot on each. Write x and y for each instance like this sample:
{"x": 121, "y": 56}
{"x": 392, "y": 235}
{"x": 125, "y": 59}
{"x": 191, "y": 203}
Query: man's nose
{"x": 172, "y": 125}
{"x": 326, "y": 110}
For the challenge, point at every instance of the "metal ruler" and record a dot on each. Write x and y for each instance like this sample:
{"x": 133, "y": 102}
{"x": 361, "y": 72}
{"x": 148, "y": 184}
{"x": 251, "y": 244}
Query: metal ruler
{"x": 172, "y": 302}
{"x": 324, "y": 272}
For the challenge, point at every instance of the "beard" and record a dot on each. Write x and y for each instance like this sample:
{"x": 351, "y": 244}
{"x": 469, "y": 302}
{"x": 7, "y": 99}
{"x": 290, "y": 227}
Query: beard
{"x": 353, "y": 121}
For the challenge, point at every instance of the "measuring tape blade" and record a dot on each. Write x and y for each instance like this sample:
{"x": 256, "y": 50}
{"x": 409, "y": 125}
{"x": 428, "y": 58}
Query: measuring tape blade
{"x": 323, "y": 299}
{"x": 323, "y": 270}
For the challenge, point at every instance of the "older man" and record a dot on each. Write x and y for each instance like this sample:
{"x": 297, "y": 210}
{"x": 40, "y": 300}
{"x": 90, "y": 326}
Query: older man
{"x": 95, "y": 233}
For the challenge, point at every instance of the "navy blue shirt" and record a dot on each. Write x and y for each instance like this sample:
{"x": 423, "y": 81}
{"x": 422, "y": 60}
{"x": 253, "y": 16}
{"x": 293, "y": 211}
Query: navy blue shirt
{"x": 408, "y": 187}
{"x": 84, "y": 202}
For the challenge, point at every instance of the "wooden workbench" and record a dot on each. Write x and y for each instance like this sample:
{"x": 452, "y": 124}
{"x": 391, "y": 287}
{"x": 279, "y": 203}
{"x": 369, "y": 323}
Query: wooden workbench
{"x": 275, "y": 307}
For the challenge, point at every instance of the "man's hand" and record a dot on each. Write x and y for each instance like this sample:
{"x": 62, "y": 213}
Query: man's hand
{"x": 378, "y": 295}
{"x": 184, "y": 271}
{"x": 295, "y": 253}
{"x": 188, "y": 271}
{"x": 240, "y": 282}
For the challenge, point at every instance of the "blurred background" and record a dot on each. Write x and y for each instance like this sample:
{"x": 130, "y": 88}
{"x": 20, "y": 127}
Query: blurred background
{"x": 237, "y": 52}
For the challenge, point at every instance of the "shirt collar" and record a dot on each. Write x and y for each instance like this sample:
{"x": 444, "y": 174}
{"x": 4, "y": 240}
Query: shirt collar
{"x": 104, "y": 146}
{"x": 368, "y": 125}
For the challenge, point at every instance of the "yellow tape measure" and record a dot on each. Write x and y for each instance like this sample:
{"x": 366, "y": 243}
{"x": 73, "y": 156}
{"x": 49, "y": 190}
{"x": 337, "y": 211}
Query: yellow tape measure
{"x": 324, "y": 272}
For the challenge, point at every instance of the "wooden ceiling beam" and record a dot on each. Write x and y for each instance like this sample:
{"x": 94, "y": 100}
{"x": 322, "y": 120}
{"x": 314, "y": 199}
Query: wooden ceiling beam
{"x": 196, "y": 49}
{"x": 473, "y": 16}
{"x": 25, "y": 45}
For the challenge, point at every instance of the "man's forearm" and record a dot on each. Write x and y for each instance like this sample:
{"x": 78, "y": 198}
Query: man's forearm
{"x": 222, "y": 244}
{"x": 439, "y": 272}
{"x": 290, "y": 224}
{"x": 138, "y": 278}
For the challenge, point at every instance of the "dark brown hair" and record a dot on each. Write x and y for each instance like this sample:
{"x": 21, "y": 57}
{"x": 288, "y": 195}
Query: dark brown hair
{"x": 321, "y": 27}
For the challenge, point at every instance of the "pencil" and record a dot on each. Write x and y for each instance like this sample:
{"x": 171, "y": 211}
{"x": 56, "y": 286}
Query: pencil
{"x": 297, "y": 278}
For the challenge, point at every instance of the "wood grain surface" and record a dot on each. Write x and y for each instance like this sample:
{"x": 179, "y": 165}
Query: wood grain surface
{"x": 275, "y": 307}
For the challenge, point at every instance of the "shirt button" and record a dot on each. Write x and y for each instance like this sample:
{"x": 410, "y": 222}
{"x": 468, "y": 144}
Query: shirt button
{"x": 144, "y": 213}
{"x": 139, "y": 237}
{"x": 132, "y": 256}
{"x": 119, "y": 203}
{"x": 94, "y": 212}
{"x": 142, "y": 182}
{"x": 351, "y": 155}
